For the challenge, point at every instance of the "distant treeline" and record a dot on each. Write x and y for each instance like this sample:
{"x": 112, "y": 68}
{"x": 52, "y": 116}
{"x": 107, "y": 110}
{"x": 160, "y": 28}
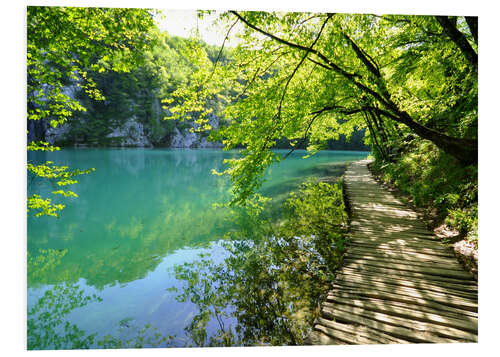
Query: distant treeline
{"x": 130, "y": 111}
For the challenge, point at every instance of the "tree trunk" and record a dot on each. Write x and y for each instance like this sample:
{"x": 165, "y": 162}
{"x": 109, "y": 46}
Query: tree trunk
{"x": 459, "y": 39}
{"x": 374, "y": 139}
{"x": 472, "y": 22}
{"x": 465, "y": 150}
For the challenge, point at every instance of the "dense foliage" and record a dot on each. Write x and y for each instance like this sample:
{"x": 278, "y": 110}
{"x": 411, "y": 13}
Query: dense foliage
{"x": 136, "y": 96}
{"x": 447, "y": 192}
{"x": 313, "y": 77}
{"x": 63, "y": 44}
{"x": 408, "y": 83}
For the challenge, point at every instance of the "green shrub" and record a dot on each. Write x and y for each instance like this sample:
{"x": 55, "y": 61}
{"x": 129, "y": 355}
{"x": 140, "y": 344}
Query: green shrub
{"x": 436, "y": 180}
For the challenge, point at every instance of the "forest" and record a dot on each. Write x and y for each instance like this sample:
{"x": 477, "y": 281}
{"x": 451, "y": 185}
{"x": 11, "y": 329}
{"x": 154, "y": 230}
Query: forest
{"x": 108, "y": 84}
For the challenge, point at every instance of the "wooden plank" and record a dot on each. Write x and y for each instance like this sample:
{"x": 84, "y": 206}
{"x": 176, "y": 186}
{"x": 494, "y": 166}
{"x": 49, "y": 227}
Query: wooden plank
{"x": 468, "y": 316}
{"x": 395, "y": 299}
{"x": 389, "y": 247}
{"x": 358, "y": 197}
{"x": 370, "y": 189}
{"x": 442, "y": 287}
{"x": 366, "y": 231}
{"x": 399, "y": 274}
{"x": 375, "y": 198}
{"x": 404, "y": 256}
{"x": 415, "y": 261}
{"x": 376, "y": 207}
{"x": 365, "y": 216}
{"x": 409, "y": 298}
{"x": 413, "y": 265}
{"x": 400, "y": 242}
{"x": 448, "y": 273}
{"x": 377, "y": 232}
{"x": 407, "y": 312}
{"x": 372, "y": 336}
{"x": 401, "y": 332}
{"x": 359, "y": 233}
{"x": 363, "y": 203}
{"x": 421, "y": 259}
{"x": 382, "y": 248}
{"x": 347, "y": 337}
{"x": 372, "y": 226}
{"x": 365, "y": 200}
{"x": 404, "y": 290}
{"x": 318, "y": 338}
{"x": 442, "y": 332}
{"x": 374, "y": 217}
{"x": 395, "y": 214}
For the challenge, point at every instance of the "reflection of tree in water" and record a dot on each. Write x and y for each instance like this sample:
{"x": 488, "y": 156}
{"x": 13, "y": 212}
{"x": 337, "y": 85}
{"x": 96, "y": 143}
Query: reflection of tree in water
{"x": 116, "y": 241}
{"x": 49, "y": 329}
{"x": 271, "y": 286}
{"x": 46, "y": 326}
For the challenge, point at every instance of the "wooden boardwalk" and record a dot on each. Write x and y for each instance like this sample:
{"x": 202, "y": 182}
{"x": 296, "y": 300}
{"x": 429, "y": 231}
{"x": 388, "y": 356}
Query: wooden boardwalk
{"x": 397, "y": 283}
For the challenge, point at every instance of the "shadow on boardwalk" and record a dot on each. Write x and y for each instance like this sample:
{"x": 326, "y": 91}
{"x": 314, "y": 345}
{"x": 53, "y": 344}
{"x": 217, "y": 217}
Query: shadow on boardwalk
{"x": 397, "y": 283}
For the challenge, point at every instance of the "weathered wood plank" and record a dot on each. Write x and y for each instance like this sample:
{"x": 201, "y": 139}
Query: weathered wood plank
{"x": 379, "y": 208}
{"x": 372, "y": 336}
{"x": 347, "y": 337}
{"x": 440, "y": 287}
{"x": 402, "y": 256}
{"x": 318, "y": 338}
{"x": 414, "y": 262}
{"x": 373, "y": 227}
{"x": 400, "y": 274}
{"x": 442, "y": 332}
{"x": 407, "y": 312}
{"x": 400, "y": 242}
{"x": 408, "y": 297}
{"x": 389, "y": 299}
{"x": 413, "y": 222}
{"x": 459, "y": 314}
{"x": 401, "y": 332}
{"x": 389, "y": 247}
{"x": 355, "y": 233}
{"x": 376, "y": 230}
{"x": 448, "y": 273}
{"x": 404, "y": 290}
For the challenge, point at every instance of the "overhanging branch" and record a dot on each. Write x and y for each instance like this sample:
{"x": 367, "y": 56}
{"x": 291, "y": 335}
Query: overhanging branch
{"x": 221, "y": 49}
{"x": 459, "y": 39}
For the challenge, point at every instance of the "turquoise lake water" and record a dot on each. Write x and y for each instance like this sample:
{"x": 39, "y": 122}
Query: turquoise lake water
{"x": 140, "y": 213}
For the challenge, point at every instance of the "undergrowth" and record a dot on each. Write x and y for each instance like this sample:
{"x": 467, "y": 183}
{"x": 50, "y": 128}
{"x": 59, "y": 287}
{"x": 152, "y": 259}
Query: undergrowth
{"x": 436, "y": 182}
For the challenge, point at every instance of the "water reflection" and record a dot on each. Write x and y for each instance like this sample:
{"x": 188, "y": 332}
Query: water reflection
{"x": 274, "y": 281}
{"x": 133, "y": 210}
{"x": 141, "y": 213}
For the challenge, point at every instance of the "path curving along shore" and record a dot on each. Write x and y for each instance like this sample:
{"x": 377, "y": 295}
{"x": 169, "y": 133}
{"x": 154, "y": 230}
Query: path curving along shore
{"x": 398, "y": 283}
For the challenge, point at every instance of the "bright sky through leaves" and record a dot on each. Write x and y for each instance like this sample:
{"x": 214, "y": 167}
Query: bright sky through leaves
{"x": 184, "y": 23}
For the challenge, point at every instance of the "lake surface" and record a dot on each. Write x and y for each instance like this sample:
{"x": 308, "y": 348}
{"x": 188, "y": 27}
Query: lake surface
{"x": 141, "y": 212}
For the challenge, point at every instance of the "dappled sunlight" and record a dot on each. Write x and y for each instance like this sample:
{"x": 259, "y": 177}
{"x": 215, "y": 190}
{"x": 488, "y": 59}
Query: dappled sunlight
{"x": 397, "y": 283}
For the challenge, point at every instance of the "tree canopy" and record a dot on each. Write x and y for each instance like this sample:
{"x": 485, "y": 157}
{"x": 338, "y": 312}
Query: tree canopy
{"x": 306, "y": 76}
{"x": 63, "y": 45}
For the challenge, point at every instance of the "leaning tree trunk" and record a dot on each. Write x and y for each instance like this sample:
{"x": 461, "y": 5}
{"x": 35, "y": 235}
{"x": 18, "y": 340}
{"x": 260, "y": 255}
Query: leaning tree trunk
{"x": 465, "y": 150}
